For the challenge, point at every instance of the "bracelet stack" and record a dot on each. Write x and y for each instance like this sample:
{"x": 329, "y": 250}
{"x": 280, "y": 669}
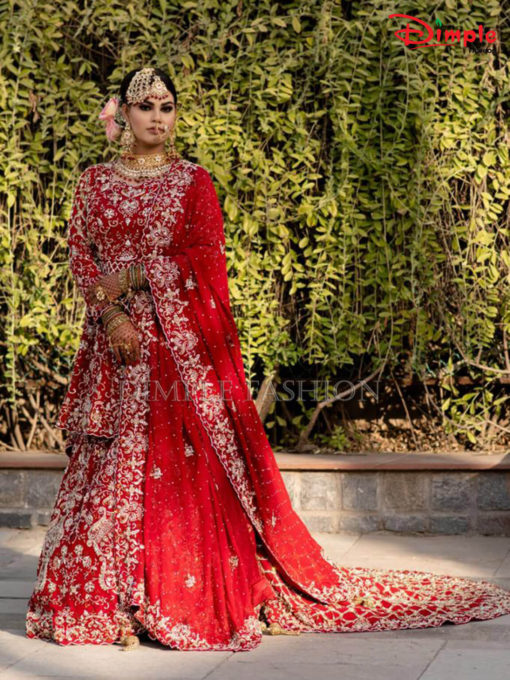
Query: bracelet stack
{"x": 136, "y": 276}
{"x": 132, "y": 278}
{"x": 110, "y": 305}
{"x": 113, "y": 316}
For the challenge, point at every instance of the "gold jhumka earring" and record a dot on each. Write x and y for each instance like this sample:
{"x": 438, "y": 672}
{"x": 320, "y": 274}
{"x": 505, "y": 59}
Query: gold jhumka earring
{"x": 170, "y": 145}
{"x": 127, "y": 138}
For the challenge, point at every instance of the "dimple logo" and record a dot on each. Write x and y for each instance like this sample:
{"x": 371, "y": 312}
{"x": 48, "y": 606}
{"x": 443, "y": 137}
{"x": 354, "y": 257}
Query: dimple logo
{"x": 417, "y": 33}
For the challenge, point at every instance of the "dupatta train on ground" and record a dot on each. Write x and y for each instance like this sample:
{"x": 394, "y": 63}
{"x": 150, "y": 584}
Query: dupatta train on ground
{"x": 172, "y": 516}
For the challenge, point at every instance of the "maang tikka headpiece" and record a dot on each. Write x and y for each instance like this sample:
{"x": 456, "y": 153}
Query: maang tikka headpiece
{"x": 146, "y": 83}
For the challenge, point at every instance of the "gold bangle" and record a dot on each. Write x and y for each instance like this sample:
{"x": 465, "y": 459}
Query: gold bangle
{"x": 110, "y": 312}
{"x": 111, "y": 306}
{"x": 114, "y": 323}
{"x": 123, "y": 280}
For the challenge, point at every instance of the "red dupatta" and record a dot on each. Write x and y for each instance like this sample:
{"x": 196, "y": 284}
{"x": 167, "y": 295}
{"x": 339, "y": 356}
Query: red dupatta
{"x": 189, "y": 287}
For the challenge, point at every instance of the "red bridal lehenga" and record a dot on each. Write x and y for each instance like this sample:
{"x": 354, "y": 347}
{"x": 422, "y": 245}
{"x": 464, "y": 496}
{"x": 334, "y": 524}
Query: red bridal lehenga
{"x": 172, "y": 517}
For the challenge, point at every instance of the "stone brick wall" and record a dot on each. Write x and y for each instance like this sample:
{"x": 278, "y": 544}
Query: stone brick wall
{"x": 339, "y": 496}
{"x": 429, "y": 501}
{"x": 27, "y": 496}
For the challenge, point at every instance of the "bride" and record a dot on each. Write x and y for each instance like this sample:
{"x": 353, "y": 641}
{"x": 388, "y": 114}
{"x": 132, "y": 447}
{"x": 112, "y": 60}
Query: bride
{"x": 172, "y": 518}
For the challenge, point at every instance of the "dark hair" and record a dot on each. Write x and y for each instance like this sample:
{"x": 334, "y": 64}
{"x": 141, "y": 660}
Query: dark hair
{"x": 129, "y": 76}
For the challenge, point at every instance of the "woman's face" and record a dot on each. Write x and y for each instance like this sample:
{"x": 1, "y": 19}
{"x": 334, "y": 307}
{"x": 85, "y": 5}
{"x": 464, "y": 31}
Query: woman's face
{"x": 151, "y": 121}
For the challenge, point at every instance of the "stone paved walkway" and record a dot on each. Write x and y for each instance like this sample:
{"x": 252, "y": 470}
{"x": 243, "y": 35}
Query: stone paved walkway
{"x": 479, "y": 650}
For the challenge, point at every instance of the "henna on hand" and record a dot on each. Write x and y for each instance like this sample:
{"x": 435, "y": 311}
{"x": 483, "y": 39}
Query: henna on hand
{"x": 109, "y": 284}
{"x": 125, "y": 342}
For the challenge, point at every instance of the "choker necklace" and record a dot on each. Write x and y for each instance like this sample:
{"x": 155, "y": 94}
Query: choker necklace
{"x": 143, "y": 166}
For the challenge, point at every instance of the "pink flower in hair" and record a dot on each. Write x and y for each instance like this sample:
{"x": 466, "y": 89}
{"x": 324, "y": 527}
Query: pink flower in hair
{"x": 113, "y": 130}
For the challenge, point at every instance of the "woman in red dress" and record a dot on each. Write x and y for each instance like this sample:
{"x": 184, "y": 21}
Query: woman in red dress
{"x": 172, "y": 518}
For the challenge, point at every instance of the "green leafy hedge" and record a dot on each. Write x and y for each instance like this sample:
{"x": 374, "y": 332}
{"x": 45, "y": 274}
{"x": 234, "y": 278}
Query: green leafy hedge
{"x": 365, "y": 188}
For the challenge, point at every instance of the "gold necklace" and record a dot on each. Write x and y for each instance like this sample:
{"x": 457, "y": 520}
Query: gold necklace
{"x": 143, "y": 166}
